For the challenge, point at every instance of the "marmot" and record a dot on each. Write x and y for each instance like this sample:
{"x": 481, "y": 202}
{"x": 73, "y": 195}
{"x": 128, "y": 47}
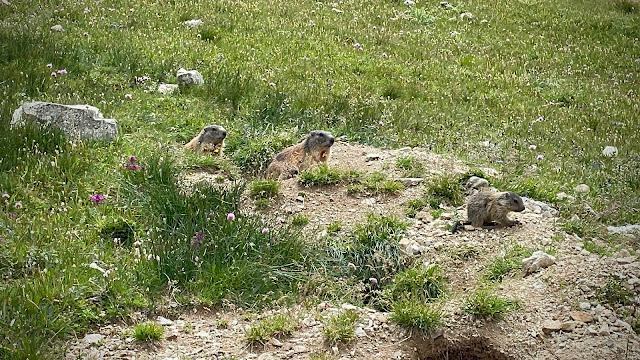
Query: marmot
{"x": 490, "y": 210}
{"x": 315, "y": 149}
{"x": 210, "y": 140}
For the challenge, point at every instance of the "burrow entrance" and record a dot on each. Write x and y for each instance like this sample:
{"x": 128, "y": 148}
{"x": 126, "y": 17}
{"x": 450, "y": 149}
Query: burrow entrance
{"x": 474, "y": 348}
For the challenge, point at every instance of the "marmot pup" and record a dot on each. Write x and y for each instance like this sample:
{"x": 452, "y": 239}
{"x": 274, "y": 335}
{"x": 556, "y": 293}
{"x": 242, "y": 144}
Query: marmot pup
{"x": 486, "y": 207}
{"x": 315, "y": 149}
{"x": 210, "y": 140}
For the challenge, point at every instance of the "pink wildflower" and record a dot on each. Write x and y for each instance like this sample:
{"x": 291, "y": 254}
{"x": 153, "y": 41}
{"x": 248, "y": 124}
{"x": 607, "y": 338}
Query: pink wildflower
{"x": 49, "y": 65}
{"x": 532, "y": 147}
{"x": 133, "y": 159}
{"x": 96, "y": 198}
{"x": 231, "y": 216}
{"x": 540, "y": 157}
{"x": 18, "y": 205}
{"x": 373, "y": 280}
{"x": 265, "y": 230}
{"x": 62, "y": 71}
{"x": 128, "y": 96}
{"x": 54, "y": 74}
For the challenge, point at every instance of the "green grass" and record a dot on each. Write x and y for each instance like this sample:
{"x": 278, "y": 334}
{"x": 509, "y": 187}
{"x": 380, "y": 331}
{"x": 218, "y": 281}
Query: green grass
{"x": 418, "y": 283}
{"x": 277, "y": 325}
{"x": 319, "y": 176}
{"x": 410, "y": 166}
{"x": 148, "y": 331}
{"x": 262, "y": 189}
{"x": 341, "y": 327}
{"x": 484, "y": 304}
{"x": 614, "y": 292}
{"x": 505, "y": 265}
{"x": 471, "y": 89}
{"x": 300, "y": 220}
{"x": 444, "y": 189}
{"x": 416, "y": 315}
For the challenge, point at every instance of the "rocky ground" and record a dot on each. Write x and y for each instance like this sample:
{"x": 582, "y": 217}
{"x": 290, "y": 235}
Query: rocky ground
{"x": 560, "y": 315}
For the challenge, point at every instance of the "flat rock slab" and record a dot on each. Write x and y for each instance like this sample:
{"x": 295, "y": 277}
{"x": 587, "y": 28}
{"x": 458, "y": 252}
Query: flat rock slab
{"x": 76, "y": 121}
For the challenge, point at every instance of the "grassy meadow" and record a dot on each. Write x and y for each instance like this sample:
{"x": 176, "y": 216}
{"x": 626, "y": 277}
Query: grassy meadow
{"x": 533, "y": 88}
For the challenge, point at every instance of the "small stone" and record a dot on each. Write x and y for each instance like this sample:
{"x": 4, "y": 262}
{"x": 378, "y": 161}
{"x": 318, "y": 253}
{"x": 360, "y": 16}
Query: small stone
{"x": 58, "y": 28}
{"x": 368, "y": 201}
{"x": 189, "y": 77}
{"x": 415, "y": 249}
{"x": 359, "y": 331}
{"x": 550, "y": 326}
{"x": 300, "y": 199}
{"x": 537, "y": 261}
{"x": 582, "y": 188}
{"x": 591, "y": 330}
{"x": 322, "y": 306}
{"x": 193, "y": 23}
{"x": 372, "y": 157}
{"x": 347, "y": 306}
{"x": 635, "y": 282}
{"x": 477, "y": 183}
{"x": 446, "y": 5}
{"x": 466, "y": 16}
{"x": 275, "y": 342}
{"x": 610, "y": 151}
{"x": 163, "y": 321}
{"x": 408, "y": 182}
{"x": 581, "y": 316}
{"x": 604, "y": 330}
{"x": 91, "y": 339}
{"x": 630, "y": 231}
{"x": 409, "y": 2}
{"x": 584, "y": 305}
{"x": 564, "y": 196}
{"x": 623, "y": 324}
{"x": 585, "y": 252}
{"x": 167, "y": 89}
{"x": 626, "y": 260}
{"x": 266, "y": 356}
{"x": 299, "y": 349}
{"x": 568, "y": 325}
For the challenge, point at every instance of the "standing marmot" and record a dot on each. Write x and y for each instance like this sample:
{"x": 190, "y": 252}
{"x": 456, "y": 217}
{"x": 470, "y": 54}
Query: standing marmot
{"x": 315, "y": 149}
{"x": 486, "y": 207}
{"x": 210, "y": 140}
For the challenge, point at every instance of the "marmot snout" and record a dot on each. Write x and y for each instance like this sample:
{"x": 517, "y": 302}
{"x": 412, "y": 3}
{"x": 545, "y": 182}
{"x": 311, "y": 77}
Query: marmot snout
{"x": 210, "y": 140}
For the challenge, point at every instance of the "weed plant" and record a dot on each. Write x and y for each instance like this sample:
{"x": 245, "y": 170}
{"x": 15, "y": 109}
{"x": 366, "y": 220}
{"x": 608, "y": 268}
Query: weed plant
{"x": 265, "y": 329}
{"x": 341, "y": 327}
{"x": 416, "y": 315}
{"x": 506, "y": 264}
{"x": 148, "y": 331}
{"x": 484, "y": 304}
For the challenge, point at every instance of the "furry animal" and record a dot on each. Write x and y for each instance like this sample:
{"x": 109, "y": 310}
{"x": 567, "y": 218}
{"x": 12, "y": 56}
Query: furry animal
{"x": 209, "y": 141}
{"x": 490, "y": 210}
{"x": 315, "y": 149}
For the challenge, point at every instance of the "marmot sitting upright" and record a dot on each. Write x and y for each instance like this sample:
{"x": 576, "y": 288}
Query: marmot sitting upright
{"x": 210, "y": 140}
{"x": 488, "y": 207}
{"x": 315, "y": 149}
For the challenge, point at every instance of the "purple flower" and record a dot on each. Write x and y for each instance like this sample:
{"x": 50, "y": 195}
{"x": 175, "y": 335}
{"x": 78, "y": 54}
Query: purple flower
{"x": 62, "y": 71}
{"x": 199, "y": 235}
{"x": 540, "y": 118}
{"x": 132, "y": 167}
{"x": 265, "y": 230}
{"x": 380, "y": 123}
{"x": 196, "y": 240}
{"x": 532, "y": 147}
{"x": 49, "y": 65}
{"x": 18, "y": 205}
{"x": 1, "y": 239}
{"x": 133, "y": 159}
{"x": 540, "y": 157}
{"x": 96, "y": 198}
{"x": 231, "y": 216}
{"x": 373, "y": 280}
{"x": 54, "y": 74}
{"x": 128, "y": 96}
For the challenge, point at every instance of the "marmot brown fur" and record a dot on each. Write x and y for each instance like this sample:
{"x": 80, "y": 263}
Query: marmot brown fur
{"x": 315, "y": 149}
{"x": 488, "y": 207}
{"x": 210, "y": 140}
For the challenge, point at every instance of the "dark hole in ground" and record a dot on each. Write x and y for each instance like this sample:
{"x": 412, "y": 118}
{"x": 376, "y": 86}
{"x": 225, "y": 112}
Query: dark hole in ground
{"x": 476, "y": 348}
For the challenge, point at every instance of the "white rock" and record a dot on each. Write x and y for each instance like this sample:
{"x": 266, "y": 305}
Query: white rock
{"x": 466, "y": 16}
{"x": 93, "y": 338}
{"x": 631, "y": 231}
{"x": 266, "y": 356}
{"x": 359, "y": 331}
{"x": 189, "y": 77}
{"x": 167, "y": 89}
{"x": 584, "y": 305}
{"x": 193, "y": 23}
{"x": 76, "y": 121}
{"x": 298, "y": 349}
{"x": 477, "y": 183}
{"x": 582, "y": 188}
{"x": 610, "y": 151}
{"x": 564, "y": 196}
{"x": 604, "y": 330}
{"x": 58, "y": 28}
{"x": 164, "y": 321}
{"x": 347, "y": 306}
{"x": 409, "y": 2}
{"x": 537, "y": 261}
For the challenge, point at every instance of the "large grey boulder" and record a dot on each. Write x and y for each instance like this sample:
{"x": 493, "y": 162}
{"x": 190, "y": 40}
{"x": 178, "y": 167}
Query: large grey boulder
{"x": 76, "y": 121}
{"x": 189, "y": 77}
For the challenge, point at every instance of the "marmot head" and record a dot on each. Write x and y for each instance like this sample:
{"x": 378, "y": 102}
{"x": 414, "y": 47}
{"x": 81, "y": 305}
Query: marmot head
{"x": 212, "y": 134}
{"x": 319, "y": 141}
{"x": 511, "y": 201}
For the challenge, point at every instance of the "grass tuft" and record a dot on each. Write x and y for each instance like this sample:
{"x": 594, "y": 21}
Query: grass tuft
{"x": 484, "y": 304}
{"x": 148, "y": 331}
{"x": 341, "y": 328}
{"x": 417, "y": 315}
{"x": 274, "y": 326}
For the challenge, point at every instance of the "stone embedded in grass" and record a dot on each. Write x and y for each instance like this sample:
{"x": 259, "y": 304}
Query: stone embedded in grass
{"x": 76, "y": 121}
{"x": 91, "y": 339}
{"x": 193, "y": 23}
{"x": 167, "y": 89}
{"x": 57, "y": 27}
{"x": 582, "y": 188}
{"x": 610, "y": 151}
{"x": 189, "y": 77}
{"x": 477, "y": 183}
